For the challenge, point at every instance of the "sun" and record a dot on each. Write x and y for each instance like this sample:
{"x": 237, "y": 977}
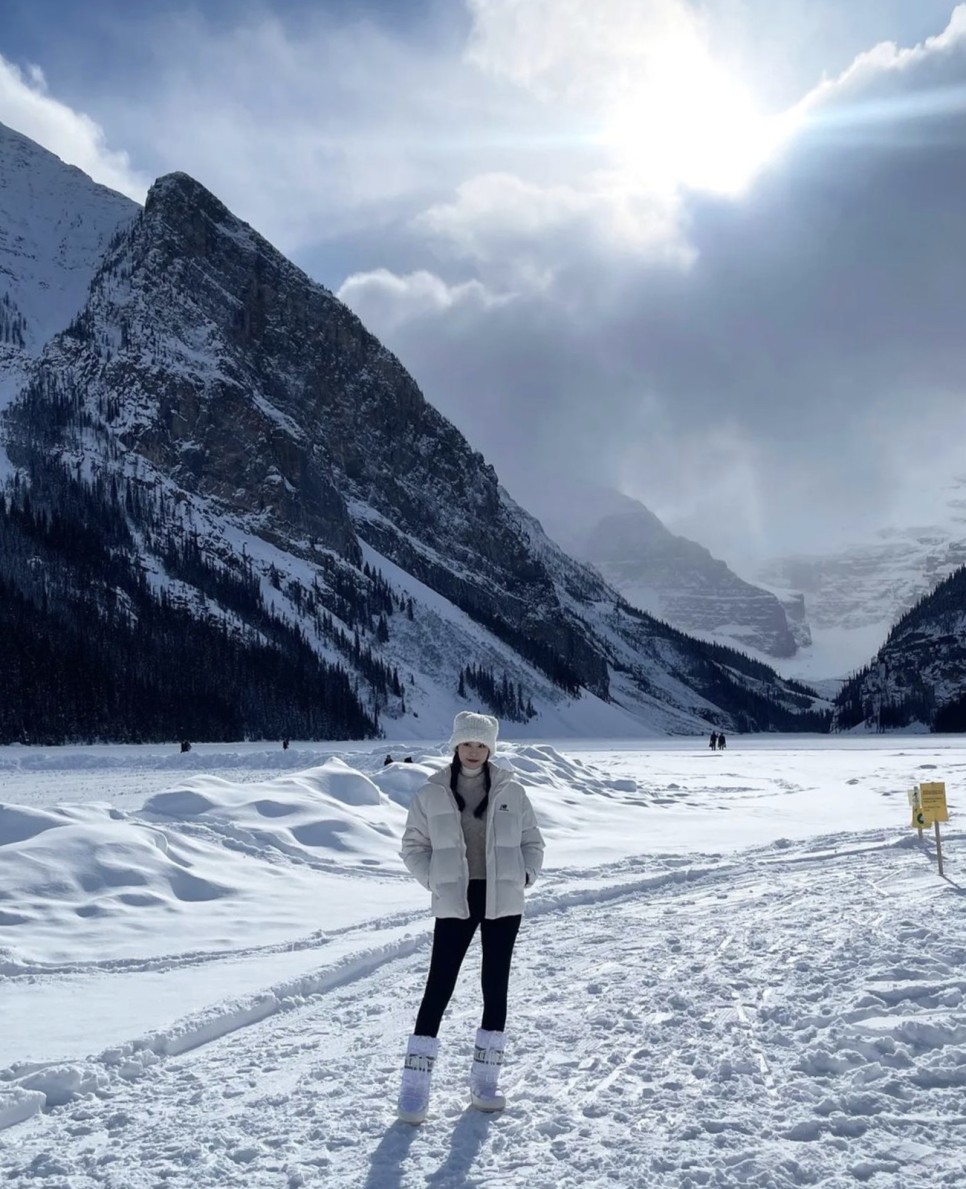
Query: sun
{"x": 687, "y": 123}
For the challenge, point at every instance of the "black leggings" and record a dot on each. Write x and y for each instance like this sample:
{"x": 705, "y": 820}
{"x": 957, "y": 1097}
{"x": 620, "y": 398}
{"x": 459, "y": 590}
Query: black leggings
{"x": 451, "y": 940}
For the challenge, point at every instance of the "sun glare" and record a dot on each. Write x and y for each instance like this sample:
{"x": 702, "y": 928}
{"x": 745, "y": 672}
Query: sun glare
{"x": 689, "y": 123}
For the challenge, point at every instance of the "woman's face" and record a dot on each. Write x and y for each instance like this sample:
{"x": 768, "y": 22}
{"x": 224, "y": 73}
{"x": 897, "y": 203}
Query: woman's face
{"x": 472, "y": 754}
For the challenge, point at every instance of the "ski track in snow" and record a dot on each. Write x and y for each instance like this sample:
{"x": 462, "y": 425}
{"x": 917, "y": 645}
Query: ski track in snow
{"x": 663, "y": 1032}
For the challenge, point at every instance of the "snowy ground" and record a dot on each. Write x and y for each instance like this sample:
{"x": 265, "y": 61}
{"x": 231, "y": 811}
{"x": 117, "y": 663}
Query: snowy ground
{"x": 739, "y": 969}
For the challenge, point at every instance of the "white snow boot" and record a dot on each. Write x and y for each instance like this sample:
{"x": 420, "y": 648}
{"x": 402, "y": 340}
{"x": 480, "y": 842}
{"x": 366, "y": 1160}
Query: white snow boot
{"x": 485, "y": 1073}
{"x": 416, "y": 1076}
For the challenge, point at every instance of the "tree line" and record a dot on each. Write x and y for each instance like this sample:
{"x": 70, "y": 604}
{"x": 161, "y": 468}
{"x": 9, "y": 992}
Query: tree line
{"x": 91, "y": 650}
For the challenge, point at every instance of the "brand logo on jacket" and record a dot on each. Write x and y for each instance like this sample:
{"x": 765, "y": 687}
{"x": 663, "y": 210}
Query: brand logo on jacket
{"x": 505, "y": 806}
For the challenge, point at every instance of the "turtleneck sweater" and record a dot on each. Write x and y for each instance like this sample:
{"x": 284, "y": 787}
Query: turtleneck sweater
{"x": 472, "y": 788}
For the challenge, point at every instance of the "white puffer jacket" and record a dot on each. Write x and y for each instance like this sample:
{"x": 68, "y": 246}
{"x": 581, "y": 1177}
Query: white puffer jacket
{"x": 434, "y": 850}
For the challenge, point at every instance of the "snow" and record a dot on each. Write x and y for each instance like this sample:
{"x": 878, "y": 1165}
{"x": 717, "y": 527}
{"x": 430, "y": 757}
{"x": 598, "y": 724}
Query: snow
{"x": 835, "y": 652}
{"x": 54, "y": 226}
{"x": 440, "y": 633}
{"x": 738, "y": 968}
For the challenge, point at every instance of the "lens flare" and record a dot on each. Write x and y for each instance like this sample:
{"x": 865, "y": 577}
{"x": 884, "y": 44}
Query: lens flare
{"x": 690, "y": 124}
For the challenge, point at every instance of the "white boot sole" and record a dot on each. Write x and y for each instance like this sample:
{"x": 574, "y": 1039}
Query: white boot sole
{"x": 414, "y": 1117}
{"x": 488, "y": 1105}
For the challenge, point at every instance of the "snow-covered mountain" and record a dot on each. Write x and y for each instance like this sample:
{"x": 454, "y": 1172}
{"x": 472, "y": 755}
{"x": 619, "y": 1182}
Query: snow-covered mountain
{"x": 219, "y": 470}
{"x": 918, "y": 677}
{"x": 55, "y": 223}
{"x": 854, "y": 595}
{"x": 668, "y": 576}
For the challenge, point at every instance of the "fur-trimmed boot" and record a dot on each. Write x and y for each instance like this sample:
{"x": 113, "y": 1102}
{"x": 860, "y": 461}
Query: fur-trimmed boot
{"x": 485, "y": 1073}
{"x": 417, "y": 1073}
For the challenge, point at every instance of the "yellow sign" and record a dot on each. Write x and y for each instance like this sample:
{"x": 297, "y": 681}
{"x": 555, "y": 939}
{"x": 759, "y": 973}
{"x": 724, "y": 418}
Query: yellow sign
{"x": 932, "y": 804}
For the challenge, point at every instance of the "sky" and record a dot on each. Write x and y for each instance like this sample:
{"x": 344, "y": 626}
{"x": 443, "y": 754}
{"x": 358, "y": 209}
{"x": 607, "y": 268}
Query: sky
{"x": 709, "y": 254}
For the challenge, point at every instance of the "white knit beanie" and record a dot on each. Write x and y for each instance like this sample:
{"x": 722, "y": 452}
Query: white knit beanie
{"x": 474, "y": 728}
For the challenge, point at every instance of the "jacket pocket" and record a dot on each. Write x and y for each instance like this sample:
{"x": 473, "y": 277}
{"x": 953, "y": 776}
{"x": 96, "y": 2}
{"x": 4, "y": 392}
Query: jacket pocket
{"x": 507, "y": 828}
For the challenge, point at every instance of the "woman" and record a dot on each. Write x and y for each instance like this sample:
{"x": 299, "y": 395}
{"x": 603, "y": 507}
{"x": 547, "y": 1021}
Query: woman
{"x": 472, "y": 840}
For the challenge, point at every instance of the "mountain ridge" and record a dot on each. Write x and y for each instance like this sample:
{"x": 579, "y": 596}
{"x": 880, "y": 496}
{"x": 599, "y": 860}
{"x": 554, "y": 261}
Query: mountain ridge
{"x": 668, "y": 576}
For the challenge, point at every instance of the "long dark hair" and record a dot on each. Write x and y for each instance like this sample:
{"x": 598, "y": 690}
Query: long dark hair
{"x": 455, "y": 769}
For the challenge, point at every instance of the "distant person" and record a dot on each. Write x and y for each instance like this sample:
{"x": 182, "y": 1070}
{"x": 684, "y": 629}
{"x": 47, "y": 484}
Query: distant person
{"x": 722, "y": 742}
{"x": 185, "y": 745}
{"x": 408, "y": 760}
{"x": 713, "y": 741}
{"x": 284, "y": 745}
{"x": 386, "y": 761}
{"x": 472, "y": 840}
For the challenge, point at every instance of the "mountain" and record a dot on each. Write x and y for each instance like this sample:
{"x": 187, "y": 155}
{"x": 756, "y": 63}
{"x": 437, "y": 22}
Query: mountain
{"x": 918, "y": 677}
{"x": 856, "y": 594}
{"x": 235, "y": 513}
{"x": 54, "y": 226}
{"x": 668, "y": 576}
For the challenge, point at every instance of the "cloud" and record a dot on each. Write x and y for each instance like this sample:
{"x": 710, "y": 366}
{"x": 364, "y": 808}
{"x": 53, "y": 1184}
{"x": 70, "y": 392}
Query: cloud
{"x": 337, "y": 129}
{"x": 780, "y": 385}
{"x": 391, "y": 299}
{"x": 347, "y": 144}
{"x": 577, "y": 52}
{"x": 26, "y": 106}
{"x": 883, "y": 72}
{"x": 500, "y": 216}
